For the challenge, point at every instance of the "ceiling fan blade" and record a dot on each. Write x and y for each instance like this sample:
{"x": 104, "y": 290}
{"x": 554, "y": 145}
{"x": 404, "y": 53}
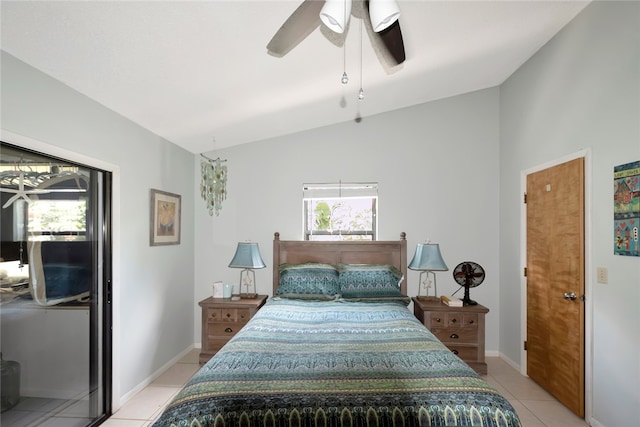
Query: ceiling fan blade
{"x": 388, "y": 43}
{"x": 392, "y": 39}
{"x": 296, "y": 28}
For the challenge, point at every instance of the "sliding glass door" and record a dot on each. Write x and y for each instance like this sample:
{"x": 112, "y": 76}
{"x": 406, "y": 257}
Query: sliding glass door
{"x": 55, "y": 308}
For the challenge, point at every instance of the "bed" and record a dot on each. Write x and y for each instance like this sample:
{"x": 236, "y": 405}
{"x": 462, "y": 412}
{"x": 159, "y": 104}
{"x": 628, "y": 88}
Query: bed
{"x": 355, "y": 358}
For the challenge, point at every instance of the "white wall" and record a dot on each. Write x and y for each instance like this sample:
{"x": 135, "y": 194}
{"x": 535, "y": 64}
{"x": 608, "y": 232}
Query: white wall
{"x": 582, "y": 90}
{"x": 437, "y": 169}
{"x": 153, "y": 286}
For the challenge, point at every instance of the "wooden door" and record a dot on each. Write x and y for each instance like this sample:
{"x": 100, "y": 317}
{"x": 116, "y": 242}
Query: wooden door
{"x": 555, "y": 281}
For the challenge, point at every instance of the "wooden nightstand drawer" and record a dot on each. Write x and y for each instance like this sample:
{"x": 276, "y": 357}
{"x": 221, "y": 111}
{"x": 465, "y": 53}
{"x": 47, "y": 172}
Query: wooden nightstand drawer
{"x": 456, "y": 335}
{"x": 229, "y": 314}
{"x": 438, "y": 319}
{"x": 214, "y": 314}
{"x": 470, "y": 320}
{"x": 222, "y": 319}
{"x": 454, "y": 320}
{"x": 464, "y": 353}
{"x": 224, "y": 329}
{"x": 243, "y": 315}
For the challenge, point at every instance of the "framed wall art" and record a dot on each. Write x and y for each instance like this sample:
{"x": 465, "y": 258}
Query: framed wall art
{"x": 626, "y": 209}
{"x": 164, "y": 224}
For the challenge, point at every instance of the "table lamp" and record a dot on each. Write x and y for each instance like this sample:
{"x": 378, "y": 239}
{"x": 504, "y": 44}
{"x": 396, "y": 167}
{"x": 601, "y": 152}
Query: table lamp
{"x": 247, "y": 257}
{"x": 427, "y": 259}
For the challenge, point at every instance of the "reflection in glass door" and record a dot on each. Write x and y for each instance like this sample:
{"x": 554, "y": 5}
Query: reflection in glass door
{"x": 55, "y": 269}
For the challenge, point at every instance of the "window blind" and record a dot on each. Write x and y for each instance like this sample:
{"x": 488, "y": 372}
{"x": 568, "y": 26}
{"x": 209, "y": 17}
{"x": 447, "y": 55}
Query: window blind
{"x": 339, "y": 189}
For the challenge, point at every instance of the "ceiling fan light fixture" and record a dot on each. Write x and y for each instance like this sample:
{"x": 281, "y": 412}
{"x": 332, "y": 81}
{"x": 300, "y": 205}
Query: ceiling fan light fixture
{"x": 335, "y": 14}
{"x": 383, "y": 13}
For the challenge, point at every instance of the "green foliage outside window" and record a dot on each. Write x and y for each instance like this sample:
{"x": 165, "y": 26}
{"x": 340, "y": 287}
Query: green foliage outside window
{"x": 340, "y": 219}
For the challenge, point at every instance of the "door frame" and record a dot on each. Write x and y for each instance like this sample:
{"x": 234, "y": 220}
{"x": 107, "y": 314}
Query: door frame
{"x": 47, "y": 148}
{"x": 588, "y": 277}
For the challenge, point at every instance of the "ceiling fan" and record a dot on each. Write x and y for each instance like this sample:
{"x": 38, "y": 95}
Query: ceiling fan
{"x": 387, "y": 42}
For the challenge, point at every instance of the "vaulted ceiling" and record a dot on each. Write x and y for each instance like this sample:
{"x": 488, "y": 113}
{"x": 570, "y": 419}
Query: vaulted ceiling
{"x": 198, "y": 71}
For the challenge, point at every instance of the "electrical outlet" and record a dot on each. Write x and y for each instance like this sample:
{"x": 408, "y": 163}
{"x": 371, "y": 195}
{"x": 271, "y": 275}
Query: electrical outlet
{"x": 603, "y": 275}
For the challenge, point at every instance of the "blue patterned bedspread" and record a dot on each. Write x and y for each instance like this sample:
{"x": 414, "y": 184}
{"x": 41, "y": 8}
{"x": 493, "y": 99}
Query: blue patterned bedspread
{"x": 312, "y": 364}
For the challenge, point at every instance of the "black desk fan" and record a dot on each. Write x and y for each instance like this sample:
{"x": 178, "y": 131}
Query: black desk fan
{"x": 468, "y": 274}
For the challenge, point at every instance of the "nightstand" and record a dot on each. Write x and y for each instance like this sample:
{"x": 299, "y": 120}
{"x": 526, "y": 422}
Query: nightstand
{"x": 461, "y": 329}
{"x": 222, "y": 318}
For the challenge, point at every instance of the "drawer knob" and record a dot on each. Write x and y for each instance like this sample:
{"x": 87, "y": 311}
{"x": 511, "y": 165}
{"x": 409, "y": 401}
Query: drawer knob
{"x": 438, "y": 320}
{"x": 228, "y": 314}
{"x": 471, "y": 322}
{"x": 454, "y": 351}
{"x": 228, "y": 330}
{"x": 454, "y": 320}
{"x": 454, "y": 336}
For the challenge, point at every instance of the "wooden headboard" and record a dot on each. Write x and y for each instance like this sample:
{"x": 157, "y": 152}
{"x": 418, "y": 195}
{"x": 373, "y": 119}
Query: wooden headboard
{"x": 346, "y": 252}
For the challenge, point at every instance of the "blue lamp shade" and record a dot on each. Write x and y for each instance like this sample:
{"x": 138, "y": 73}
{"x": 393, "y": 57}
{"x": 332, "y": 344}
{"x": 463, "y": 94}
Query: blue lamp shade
{"x": 247, "y": 256}
{"x": 428, "y": 258}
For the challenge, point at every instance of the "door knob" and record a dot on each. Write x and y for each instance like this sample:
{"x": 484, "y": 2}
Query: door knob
{"x": 569, "y": 296}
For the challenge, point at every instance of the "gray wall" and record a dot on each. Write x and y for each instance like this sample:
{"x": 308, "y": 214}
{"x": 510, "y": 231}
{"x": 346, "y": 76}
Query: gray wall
{"x": 581, "y": 90}
{"x": 153, "y": 287}
{"x": 437, "y": 169}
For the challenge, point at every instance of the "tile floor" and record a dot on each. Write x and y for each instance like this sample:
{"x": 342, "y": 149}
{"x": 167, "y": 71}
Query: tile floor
{"x": 535, "y": 406}
{"x": 46, "y": 412}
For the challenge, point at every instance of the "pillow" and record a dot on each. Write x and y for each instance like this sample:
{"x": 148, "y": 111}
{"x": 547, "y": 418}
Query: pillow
{"x": 308, "y": 279}
{"x": 369, "y": 281}
{"x": 401, "y": 299}
{"x": 307, "y": 297}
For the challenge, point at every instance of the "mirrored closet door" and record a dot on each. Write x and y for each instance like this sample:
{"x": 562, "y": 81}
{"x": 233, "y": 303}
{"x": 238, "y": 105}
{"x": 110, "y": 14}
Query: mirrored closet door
{"x": 55, "y": 308}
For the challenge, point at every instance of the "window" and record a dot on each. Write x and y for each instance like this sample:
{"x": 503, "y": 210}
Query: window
{"x": 340, "y": 211}
{"x": 57, "y": 219}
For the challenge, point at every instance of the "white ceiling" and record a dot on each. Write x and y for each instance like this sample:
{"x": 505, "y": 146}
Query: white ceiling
{"x": 198, "y": 71}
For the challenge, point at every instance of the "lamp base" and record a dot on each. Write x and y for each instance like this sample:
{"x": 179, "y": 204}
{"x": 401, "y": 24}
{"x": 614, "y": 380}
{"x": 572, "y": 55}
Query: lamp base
{"x": 248, "y": 280}
{"x": 426, "y": 283}
{"x": 428, "y": 298}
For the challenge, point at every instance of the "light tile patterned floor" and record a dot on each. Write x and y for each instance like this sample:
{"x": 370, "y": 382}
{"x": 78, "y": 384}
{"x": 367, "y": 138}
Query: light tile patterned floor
{"x": 536, "y": 407}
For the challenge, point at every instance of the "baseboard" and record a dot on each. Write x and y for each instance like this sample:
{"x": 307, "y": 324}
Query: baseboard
{"x": 510, "y": 362}
{"x": 127, "y": 396}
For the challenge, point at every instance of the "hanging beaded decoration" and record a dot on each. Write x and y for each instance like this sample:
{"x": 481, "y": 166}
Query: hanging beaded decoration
{"x": 213, "y": 186}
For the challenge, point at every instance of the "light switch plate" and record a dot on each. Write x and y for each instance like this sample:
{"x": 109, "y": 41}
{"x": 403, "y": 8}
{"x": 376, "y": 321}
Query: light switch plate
{"x": 603, "y": 275}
